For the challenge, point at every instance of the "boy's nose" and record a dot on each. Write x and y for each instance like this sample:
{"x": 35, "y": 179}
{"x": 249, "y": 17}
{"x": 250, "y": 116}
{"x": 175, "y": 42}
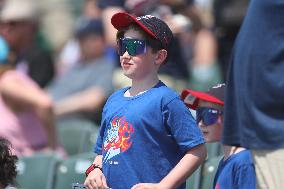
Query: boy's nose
{"x": 201, "y": 124}
{"x": 126, "y": 54}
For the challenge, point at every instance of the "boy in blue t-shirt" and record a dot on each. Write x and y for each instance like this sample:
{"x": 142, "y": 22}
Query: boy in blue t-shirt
{"x": 148, "y": 138}
{"x": 236, "y": 169}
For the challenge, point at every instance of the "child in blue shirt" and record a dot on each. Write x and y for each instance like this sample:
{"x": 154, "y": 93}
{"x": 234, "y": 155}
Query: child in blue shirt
{"x": 148, "y": 138}
{"x": 236, "y": 168}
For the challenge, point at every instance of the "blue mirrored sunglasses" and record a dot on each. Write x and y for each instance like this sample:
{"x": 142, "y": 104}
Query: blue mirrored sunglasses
{"x": 209, "y": 116}
{"x": 132, "y": 46}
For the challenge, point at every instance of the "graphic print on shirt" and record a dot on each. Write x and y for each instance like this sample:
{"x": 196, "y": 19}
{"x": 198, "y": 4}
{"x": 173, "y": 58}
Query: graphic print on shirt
{"x": 118, "y": 138}
{"x": 217, "y": 186}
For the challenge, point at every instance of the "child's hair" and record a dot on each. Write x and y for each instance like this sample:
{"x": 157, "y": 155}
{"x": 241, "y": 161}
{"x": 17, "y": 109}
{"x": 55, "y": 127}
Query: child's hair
{"x": 7, "y": 164}
{"x": 155, "y": 44}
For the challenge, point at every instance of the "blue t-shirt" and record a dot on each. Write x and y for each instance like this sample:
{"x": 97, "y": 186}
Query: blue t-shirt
{"x": 143, "y": 137}
{"x": 254, "y": 102}
{"x": 237, "y": 172}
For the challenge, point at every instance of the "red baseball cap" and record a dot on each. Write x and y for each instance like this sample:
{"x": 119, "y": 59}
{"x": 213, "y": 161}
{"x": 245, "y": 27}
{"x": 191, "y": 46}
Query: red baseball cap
{"x": 152, "y": 25}
{"x": 215, "y": 95}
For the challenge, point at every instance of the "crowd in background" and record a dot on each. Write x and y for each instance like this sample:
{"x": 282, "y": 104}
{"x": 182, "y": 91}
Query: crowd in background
{"x": 58, "y": 64}
{"x": 59, "y": 59}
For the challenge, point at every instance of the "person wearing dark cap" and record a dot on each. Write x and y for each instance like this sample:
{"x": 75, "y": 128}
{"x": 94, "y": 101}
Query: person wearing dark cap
{"x": 79, "y": 93}
{"x": 148, "y": 138}
{"x": 236, "y": 168}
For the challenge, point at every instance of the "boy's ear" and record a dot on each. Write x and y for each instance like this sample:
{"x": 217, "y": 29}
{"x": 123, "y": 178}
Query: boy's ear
{"x": 220, "y": 120}
{"x": 161, "y": 56}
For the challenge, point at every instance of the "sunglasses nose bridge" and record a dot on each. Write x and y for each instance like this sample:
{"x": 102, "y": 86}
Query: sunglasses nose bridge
{"x": 126, "y": 54}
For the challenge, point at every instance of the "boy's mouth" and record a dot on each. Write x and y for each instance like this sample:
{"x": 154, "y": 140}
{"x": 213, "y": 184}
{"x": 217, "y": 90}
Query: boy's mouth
{"x": 204, "y": 131}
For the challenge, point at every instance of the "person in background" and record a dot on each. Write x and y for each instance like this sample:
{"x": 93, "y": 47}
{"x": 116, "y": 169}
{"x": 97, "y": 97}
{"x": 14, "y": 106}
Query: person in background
{"x": 81, "y": 92}
{"x": 26, "y": 113}
{"x": 148, "y": 138}
{"x": 205, "y": 69}
{"x": 236, "y": 168}
{"x": 19, "y": 27}
{"x": 8, "y": 161}
{"x": 70, "y": 53}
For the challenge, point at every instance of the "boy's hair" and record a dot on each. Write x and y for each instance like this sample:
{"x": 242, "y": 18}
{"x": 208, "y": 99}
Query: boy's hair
{"x": 214, "y": 95}
{"x": 7, "y": 164}
{"x": 157, "y": 31}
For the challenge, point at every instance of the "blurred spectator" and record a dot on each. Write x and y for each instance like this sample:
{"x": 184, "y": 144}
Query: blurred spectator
{"x": 1, "y": 4}
{"x": 82, "y": 90}
{"x": 109, "y": 8}
{"x": 175, "y": 72}
{"x": 26, "y": 116}
{"x": 8, "y": 161}
{"x": 90, "y": 9}
{"x": 70, "y": 54}
{"x": 228, "y": 16}
{"x": 19, "y": 27}
{"x": 204, "y": 8}
{"x": 56, "y": 21}
{"x": 205, "y": 69}
{"x": 4, "y": 51}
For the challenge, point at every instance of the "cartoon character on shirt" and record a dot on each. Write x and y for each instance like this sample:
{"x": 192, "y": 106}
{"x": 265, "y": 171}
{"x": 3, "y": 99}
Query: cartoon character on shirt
{"x": 118, "y": 138}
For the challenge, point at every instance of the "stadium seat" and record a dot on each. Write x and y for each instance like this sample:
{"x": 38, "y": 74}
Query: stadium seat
{"x": 213, "y": 150}
{"x": 209, "y": 171}
{"x": 37, "y": 171}
{"x": 72, "y": 170}
{"x": 77, "y": 136}
{"x": 193, "y": 182}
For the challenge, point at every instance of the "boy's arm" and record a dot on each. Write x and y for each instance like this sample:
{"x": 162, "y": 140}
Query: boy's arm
{"x": 178, "y": 175}
{"x": 96, "y": 178}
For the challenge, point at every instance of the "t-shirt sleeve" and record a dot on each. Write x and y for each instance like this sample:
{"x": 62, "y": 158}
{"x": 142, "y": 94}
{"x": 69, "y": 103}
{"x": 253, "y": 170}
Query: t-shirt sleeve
{"x": 99, "y": 144}
{"x": 98, "y": 147}
{"x": 182, "y": 125}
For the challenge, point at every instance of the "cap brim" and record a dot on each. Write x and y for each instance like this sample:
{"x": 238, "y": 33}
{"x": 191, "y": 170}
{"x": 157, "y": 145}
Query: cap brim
{"x": 191, "y": 98}
{"x": 122, "y": 20}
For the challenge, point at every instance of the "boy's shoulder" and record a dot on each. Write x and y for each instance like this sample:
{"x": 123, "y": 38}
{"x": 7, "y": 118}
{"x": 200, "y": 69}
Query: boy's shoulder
{"x": 164, "y": 91}
{"x": 242, "y": 158}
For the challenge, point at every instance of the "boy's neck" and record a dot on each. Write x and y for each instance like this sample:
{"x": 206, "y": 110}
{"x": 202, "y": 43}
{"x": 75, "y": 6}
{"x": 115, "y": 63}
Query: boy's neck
{"x": 141, "y": 86}
{"x": 231, "y": 150}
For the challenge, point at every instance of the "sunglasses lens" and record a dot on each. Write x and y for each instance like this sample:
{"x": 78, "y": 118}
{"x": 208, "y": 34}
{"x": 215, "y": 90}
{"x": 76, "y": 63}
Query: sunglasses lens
{"x": 210, "y": 119}
{"x": 140, "y": 46}
{"x": 199, "y": 113}
{"x": 209, "y": 116}
{"x": 133, "y": 46}
{"x": 121, "y": 47}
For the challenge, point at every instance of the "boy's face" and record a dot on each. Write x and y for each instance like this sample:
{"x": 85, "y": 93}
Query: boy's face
{"x": 210, "y": 120}
{"x": 141, "y": 66}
